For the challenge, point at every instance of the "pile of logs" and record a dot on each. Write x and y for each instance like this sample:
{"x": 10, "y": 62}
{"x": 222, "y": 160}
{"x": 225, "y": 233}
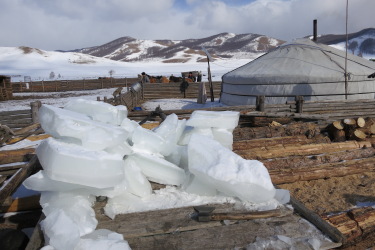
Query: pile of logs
{"x": 351, "y": 129}
{"x": 303, "y": 151}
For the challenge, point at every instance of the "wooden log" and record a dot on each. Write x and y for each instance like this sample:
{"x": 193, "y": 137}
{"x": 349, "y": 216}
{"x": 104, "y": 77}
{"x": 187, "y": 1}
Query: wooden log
{"x": 361, "y": 122}
{"x": 254, "y": 121}
{"x": 27, "y": 129}
{"x": 311, "y": 161}
{"x": 309, "y": 149}
{"x": 338, "y": 169}
{"x": 326, "y": 227}
{"x": 298, "y": 128}
{"x": 369, "y": 127}
{"x": 359, "y": 135}
{"x": 35, "y": 111}
{"x": 365, "y": 218}
{"x": 18, "y": 155}
{"x": 286, "y": 140}
{"x": 345, "y": 225}
{"x": 338, "y": 125}
{"x": 336, "y": 131}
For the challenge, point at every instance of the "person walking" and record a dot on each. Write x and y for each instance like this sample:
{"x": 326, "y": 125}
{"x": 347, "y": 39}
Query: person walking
{"x": 145, "y": 78}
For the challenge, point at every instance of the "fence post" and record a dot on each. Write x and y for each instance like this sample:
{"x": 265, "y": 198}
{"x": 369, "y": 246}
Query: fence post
{"x": 35, "y": 111}
{"x": 299, "y": 103}
{"x": 43, "y": 85}
{"x": 260, "y": 103}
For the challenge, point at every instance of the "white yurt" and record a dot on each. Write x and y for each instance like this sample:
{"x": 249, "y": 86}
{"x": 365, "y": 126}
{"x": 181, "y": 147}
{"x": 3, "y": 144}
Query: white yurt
{"x": 299, "y": 68}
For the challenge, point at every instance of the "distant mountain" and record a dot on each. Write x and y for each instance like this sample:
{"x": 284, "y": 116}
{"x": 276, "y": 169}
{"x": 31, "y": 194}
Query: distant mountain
{"x": 224, "y": 45}
{"x": 359, "y": 43}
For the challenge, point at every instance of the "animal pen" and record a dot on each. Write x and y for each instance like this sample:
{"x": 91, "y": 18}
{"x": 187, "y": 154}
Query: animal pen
{"x": 309, "y": 148}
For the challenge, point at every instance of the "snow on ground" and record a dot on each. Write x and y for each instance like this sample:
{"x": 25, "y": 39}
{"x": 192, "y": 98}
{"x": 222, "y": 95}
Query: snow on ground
{"x": 57, "y": 99}
{"x": 173, "y": 104}
{"x": 37, "y": 65}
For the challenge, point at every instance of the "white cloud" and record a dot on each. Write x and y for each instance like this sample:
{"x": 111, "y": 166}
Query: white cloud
{"x": 71, "y": 24}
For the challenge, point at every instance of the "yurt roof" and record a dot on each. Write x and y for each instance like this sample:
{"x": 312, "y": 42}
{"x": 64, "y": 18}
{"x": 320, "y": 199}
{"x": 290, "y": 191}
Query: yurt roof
{"x": 301, "y": 61}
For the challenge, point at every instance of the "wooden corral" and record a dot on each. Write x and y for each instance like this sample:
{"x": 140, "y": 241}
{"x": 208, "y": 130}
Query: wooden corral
{"x": 72, "y": 85}
{"x": 6, "y": 92}
{"x": 173, "y": 90}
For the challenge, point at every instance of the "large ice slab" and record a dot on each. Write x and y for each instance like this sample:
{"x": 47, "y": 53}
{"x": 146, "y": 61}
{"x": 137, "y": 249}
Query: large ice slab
{"x": 212, "y": 163}
{"x": 41, "y": 182}
{"x": 98, "y": 111}
{"x": 80, "y": 128}
{"x": 158, "y": 169}
{"x": 214, "y": 119}
{"x": 74, "y": 164}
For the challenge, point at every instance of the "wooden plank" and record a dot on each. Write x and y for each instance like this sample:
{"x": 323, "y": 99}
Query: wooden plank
{"x": 13, "y": 183}
{"x": 18, "y": 155}
{"x": 21, "y": 204}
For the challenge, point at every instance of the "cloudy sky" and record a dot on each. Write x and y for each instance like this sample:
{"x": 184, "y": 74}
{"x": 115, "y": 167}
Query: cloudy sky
{"x": 73, "y": 24}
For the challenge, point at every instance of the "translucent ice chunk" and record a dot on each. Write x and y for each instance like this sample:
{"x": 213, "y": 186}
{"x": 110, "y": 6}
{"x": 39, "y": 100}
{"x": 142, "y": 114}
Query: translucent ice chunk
{"x": 214, "y": 119}
{"x": 98, "y": 111}
{"x": 212, "y": 163}
{"x": 129, "y": 125}
{"x": 77, "y": 206}
{"x": 103, "y": 239}
{"x": 122, "y": 149}
{"x": 145, "y": 140}
{"x": 74, "y": 164}
{"x": 158, "y": 170}
{"x": 282, "y": 196}
{"x": 64, "y": 124}
{"x": 60, "y": 231}
{"x": 170, "y": 130}
{"x": 185, "y": 137}
{"x": 224, "y": 136}
{"x": 137, "y": 182}
{"x": 195, "y": 186}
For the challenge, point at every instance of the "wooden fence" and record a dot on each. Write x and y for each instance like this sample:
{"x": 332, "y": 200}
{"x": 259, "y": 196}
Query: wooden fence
{"x": 18, "y": 119}
{"x": 72, "y": 85}
{"x": 173, "y": 90}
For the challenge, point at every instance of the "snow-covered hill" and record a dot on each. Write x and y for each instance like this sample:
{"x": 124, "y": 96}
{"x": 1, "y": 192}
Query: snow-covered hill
{"x": 128, "y": 57}
{"x": 224, "y": 46}
{"x": 24, "y": 64}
